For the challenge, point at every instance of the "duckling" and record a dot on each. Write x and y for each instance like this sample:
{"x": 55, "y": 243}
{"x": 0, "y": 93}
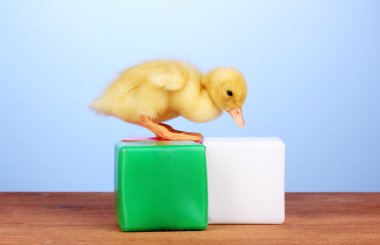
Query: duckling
{"x": 155, "y": 91}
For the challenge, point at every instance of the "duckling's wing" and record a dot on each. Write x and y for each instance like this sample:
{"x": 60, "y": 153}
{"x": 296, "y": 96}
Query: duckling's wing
{"x": 167, "y": 78}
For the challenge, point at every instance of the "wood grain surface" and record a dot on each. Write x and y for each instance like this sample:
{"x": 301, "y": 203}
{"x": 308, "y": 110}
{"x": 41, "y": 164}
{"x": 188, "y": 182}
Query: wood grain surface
{"x": 88, "y": 218}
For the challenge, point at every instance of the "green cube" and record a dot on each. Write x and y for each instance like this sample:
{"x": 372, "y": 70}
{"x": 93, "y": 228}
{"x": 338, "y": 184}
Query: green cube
{"x": 160, "y": 185}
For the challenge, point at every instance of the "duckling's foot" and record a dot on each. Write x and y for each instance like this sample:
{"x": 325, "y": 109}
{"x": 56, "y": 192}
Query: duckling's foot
{"x": 162, "y": 131}
{"x": 171, "y": 129}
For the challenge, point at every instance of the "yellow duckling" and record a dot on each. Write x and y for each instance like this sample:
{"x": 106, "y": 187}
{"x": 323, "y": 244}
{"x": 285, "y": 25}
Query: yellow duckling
{"x": 152, "y": 92}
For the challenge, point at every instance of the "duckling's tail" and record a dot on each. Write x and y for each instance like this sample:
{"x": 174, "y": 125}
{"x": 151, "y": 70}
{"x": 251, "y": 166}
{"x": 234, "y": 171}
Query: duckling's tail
{"x": 99, "y": 106}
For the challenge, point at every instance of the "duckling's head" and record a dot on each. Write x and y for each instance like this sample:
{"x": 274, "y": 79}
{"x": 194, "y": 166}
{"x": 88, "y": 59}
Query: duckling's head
{"x": 228, "y": 89}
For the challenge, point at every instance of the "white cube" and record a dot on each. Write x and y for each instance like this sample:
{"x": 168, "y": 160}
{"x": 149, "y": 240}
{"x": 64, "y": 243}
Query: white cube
{"x": 246, "y": 180}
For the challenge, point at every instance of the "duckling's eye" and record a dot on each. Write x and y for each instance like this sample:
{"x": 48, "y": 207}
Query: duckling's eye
{"x": 229, "y": 92}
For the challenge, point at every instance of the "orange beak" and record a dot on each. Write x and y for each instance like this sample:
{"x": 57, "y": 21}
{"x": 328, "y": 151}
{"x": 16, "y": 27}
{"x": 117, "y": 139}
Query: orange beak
{"x": 237, "y": 115}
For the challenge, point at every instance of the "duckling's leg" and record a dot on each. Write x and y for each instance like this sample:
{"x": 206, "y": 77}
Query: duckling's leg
{"x": 171, "y": 129}
{"x": 162, "y": 132}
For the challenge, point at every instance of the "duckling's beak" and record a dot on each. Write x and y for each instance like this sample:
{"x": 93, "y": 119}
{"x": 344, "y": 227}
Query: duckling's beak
{"x": 237, "y": 115}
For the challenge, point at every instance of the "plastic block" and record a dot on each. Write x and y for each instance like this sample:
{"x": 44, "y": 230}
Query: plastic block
{"x": 246, "y": 180}
{"x": 160, "y": 185}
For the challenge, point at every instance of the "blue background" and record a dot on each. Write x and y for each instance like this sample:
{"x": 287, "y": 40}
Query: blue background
{"x": 313, "y": 69}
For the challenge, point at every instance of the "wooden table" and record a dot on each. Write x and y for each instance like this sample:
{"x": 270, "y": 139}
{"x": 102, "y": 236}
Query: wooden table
{"x": 84, "y": 218}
